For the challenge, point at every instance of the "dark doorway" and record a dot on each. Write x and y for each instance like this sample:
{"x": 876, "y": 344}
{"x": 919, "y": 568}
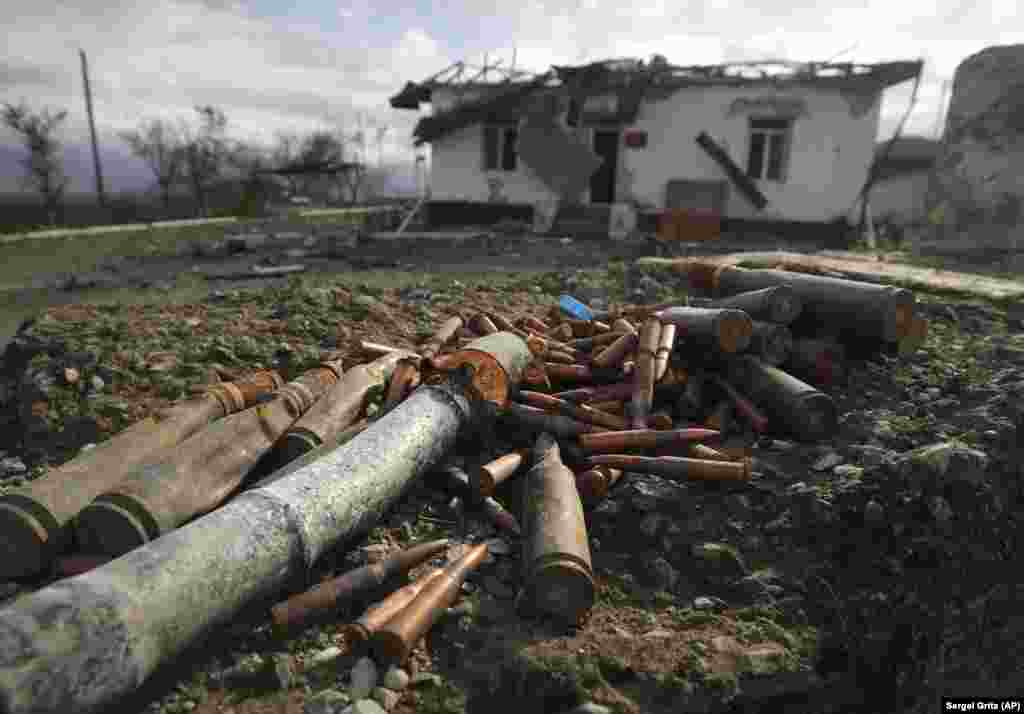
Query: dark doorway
{"x": 602, "y": 183}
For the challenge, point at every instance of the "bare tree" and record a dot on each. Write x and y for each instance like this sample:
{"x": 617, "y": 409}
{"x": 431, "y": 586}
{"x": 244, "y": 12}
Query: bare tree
{"x": 159, "y": 144}
{"x": 207, "y": 154}
{"x": 43, "y": 170}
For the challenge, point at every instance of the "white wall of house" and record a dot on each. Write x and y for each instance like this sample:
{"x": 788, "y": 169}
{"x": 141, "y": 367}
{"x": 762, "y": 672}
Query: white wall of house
{"x": 457, "y": 172}
{"x": 827, "y": 164}
{"x": 900, "y": 198}
{"x": 828, "y": 161}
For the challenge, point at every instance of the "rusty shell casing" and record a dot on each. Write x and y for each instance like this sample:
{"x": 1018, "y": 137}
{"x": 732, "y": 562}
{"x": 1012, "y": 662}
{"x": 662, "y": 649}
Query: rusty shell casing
{"x": 677, "y": 467}
{"x": 616, "y": 406}
{"x": 618, "y": 392}
{"x": 394, "y": 641}
{"x": 201, "y": 473}
{"x": 725, "y": 330}
{"x": 557, "y": 572}
{"x": 487, "y": 478}
{"x": 869, "y": 310}
{"x": 534, "y": 324}
{"x": 614, "y": 441}
{"x": 579, "y": 412}
{"x": 444, "y": 334}
{"x": 320, "y": 601}
{"x": 615, "y": 354}
{"x": 340, "y": 406}
{"x": 703, "y": 451}
{"x": 375, "y": 350}
{"x": 643, "y": 386}
{"x": 661, "y": 420}
{"x": 404, "y": 378}
{"x": 597, "y": 341}
{"x": 818, "y": 360}
{"x": 744, "y": 407}
{"x": 498, "y": 362}
{"x": 36, "y": 520}
{"x": 790, "y": 403}
{"x": 537, "y": 420}
{"x": 376, "y": 616}
{"x": 666, "y": 343}
{"x": 203, "y": 575}
{"x": 621, "y": 324}
{"x": 594, "y": 483}
{"x": 779, "y": 304}
{"x": 771, "y": 342}
{"x": 537, "y": 344}
{"x": 482, "y": 325}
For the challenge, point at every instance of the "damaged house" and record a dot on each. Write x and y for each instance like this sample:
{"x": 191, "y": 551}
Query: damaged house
{"x": 772, "y": 141}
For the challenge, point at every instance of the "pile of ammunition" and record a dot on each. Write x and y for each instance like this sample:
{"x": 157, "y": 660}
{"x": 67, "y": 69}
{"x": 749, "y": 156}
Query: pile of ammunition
{"x": 226, "y": 497}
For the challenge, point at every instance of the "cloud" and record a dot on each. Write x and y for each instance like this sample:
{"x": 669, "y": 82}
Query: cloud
{"x": 327, "y": 65}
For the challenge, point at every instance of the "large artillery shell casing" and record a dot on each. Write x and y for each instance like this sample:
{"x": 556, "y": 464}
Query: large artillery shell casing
{"x": 35, "y": 520}
{"x": 81, "y": 644}
{"x": 771, "y": 342}
{"x": 612, "y": 441}
{"x": 198, "y": 476}
{"x": 487, "y": 478}
{"x": 378, "y": 615}
{"x": 666, "y": 342}
{"x": 643, "y": 392}
{"x": 779, "y": 304}
{"x": 304, "y": 608}
{"x": 556, "y": 550}
{"x": 394, "y": 641}
{"x": 790, "y": 403}
{"x": 445, "y": 334}
{"x": 868, "y": 309}
{"x": 615, "y": 354}
{"x": 337, "y": 410}
{"x": 677, "y": 467}
{"x": 725, "y": 330}
{"x": 498, "y": 362}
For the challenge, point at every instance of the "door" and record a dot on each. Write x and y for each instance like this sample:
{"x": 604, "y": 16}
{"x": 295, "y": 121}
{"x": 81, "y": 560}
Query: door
{"x": 602, "y": 182}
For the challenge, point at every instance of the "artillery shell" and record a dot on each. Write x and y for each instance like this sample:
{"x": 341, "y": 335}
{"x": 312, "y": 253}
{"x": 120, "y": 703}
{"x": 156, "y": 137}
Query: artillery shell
{"x": 678, "y": 467}
{"x": 614, "y": 441}
{"x": 378, "y": 615}
{"x": 490, "y": 475}
{"x": 643, "y": 392}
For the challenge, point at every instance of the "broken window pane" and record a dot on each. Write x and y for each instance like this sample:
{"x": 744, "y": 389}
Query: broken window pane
{"x": 776, "y": 156}
{"x": 491, "y": 148}
{"x": 508, "y": 153}
{"x": 755, "y": 160}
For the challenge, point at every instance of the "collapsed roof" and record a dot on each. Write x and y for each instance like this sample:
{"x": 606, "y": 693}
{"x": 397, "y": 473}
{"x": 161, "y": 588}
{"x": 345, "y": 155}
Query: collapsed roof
{"x": 631, "y": 79}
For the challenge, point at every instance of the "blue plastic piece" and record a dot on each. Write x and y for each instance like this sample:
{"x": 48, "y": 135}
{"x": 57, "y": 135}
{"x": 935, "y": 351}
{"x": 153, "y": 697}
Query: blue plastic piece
{"x": 574, "y": 308}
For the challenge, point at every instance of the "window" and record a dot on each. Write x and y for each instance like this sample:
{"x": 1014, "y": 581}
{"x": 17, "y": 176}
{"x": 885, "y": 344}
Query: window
{"x": 500, "y": 148}
{"x": 769, "y": 148}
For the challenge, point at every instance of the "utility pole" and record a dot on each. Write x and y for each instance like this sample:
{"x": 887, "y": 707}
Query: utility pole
{"x": 100, "y": 194}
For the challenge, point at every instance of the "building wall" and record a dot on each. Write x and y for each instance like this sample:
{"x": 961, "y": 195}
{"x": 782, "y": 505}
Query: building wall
{"x": 900, "y": 198}
{"x": 830, "y": 154}
{"x": 828, "y": 164}
{"x": 456, "y": 172}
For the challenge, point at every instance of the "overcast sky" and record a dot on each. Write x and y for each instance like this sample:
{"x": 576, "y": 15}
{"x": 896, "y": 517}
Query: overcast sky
{"x": 307, "y": 64}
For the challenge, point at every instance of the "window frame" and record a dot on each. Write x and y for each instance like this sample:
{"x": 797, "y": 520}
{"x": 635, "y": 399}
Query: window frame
{"x": 500, "y": 143}
{"x": 774, "y": 134}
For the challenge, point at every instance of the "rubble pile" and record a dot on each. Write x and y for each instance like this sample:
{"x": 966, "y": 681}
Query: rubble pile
{"x": 235, "y": 493}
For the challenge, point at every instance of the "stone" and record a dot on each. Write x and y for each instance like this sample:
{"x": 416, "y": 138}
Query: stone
{"x": 827, "y": 462}
{"x": 848, "y": 471}
{"x": 387, "y": 698}
{"x": 590, "y": 708}
{"x": 366, "y": 706}
{"x": 426, "y": 679}
{"x": 71, "y": 375}
{"x": 942, "y": 463}
{"x": 940, "y": 509}
{"x": 11, "y": 466}
{"x": 763, "y": 659}
{"x": 329, "y": 701}
{"x": 497, "y": 588}
{"x": 651, "y": 525}
{"x": 364, "y": 678}
{"x": 720, "y": 559}
{"x": 661, "y": 573}
{"x": 396, "y": 679}
{"x": 325, "y": 656}
{"x": 96, "y": 383}
{"x": 498, "y": 546}
{"x": 874, "y": 512}
{"x": 705, "y": 602}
